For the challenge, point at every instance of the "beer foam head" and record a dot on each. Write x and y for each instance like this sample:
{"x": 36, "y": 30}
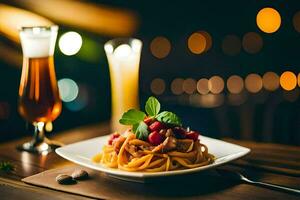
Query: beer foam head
{"x": 38, "y": 42}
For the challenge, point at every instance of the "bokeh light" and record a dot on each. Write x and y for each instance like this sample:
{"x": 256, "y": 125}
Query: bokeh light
{"x": 202, "y": 86}
{"x": 270, "y": 81}
{"x": 299, "y": 79}
{"x": 81, "y": 101}
{"x": 68, "y": 89}
{"x": 160, "y": 47}
{"x": 268, "y": 20}
{"x": 158, "y": 86}
{"x": 253, "y": 83}
{"x": 252, "y": 42}
{"x": 70, "y": 43}
{"x": 288, "y": 80}
{"x": 177, "y": 86}
{"x": 208, "y": 39}
{"x": 49, "y": 126}
{"x": 296, "y": 21}
{"x": 199, "y": 42}
{"x": 216, "y": 84}
{"x": 189, "y": 86}
{"x": 235, "y": 84}
{"x": 231, "y": 45}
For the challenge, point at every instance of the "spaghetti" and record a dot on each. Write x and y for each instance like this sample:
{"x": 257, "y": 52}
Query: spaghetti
{"x": 132, "y": 154}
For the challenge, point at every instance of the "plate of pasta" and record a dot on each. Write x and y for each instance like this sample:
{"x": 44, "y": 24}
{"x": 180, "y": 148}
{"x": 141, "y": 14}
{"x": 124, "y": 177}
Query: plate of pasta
{"x": 155, "y": 144}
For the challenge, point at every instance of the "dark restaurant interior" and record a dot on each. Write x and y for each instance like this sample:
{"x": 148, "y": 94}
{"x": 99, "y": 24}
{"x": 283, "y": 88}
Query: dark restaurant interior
{"x": 224, "y": 70}
{"x": 103, "y": 99}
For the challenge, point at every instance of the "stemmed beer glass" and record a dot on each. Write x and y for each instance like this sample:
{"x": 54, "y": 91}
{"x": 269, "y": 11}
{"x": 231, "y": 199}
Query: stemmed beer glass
{"x": 39, "y": 100}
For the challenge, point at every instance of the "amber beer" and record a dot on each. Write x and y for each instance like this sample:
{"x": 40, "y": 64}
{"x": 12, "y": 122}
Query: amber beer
{"x": 39, "y": 99}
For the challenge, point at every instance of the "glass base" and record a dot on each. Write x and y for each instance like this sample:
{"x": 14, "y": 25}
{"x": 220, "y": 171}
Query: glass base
{"x": 44, "y": 147}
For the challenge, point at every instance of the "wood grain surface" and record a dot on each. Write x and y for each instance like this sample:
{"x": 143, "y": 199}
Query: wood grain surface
{"x": 273, "y": 163}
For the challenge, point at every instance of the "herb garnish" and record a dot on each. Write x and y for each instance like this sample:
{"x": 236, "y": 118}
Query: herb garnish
{"x": 6, "y": 166}
{"x": 136, "y": 118}
{"x": 141, "y": 130}
{"x": 152, "y": 107}
{"x": 132, "y": 117}
{"x": 169, "y": 118}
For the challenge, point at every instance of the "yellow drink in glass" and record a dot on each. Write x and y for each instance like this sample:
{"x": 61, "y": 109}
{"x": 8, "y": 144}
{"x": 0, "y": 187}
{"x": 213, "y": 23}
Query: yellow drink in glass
{"x": 124, "y": 59}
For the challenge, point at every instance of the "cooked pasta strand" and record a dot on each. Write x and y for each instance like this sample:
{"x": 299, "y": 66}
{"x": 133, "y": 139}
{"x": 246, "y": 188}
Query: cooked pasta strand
{"x": 137, "y": 155}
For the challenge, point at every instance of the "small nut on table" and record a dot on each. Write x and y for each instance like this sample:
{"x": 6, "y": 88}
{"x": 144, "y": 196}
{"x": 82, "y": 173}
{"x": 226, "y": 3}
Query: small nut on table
{"x": 80, "y": 175}
{"x": 65, "y": 179}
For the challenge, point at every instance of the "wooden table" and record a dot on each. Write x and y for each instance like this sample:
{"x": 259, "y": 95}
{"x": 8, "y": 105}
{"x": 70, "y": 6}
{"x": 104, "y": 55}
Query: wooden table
{"x": 273, "y": 163}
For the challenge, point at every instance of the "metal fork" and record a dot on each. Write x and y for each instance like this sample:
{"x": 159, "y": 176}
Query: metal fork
{"x": 238, "y": 176}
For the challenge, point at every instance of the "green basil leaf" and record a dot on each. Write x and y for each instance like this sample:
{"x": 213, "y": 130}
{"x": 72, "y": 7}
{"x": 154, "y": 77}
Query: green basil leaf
{"x": 6, "y": 166}
{"x": 134, "y": 127}
{"x": 169, "y": 118}
{"x": 132, "y": 116}
{"x": 141, "y": 130}
{"x": 152, "y": 106}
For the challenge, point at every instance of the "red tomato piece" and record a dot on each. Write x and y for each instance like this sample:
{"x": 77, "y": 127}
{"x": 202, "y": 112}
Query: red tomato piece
{"x": 194, "y": 135}
{"x": 155, "y": 138}
{"x": 148, "y": 120}
{"x": 156, "y": 126}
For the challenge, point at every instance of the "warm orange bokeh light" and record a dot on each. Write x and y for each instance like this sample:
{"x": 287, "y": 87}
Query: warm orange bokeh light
{"x": 189, "y": 86}
{"x": 208, "y": 39}
{"x": 296, "y": 21}
{"x": 177, "y": 86}
{"x": 268, "y": 20}
{"x": 160, "y": 47}
{"x": 216, "y": 84}
{"x": 197, "y": 43}
{"x": 252, "y": 42}
{"x": 288, "y": 80}
{"x": 235, "y": 84}
{"x": 253, "y": 83}
{"x": 158, "y": 86}
{"x": 270, "y": 81}
{"x": 202, "y": 86}
{"x": 299, "y": 79}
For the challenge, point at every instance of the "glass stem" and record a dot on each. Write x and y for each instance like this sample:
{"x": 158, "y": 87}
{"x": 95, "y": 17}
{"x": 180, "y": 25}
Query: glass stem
{"x": 39, "y": 135}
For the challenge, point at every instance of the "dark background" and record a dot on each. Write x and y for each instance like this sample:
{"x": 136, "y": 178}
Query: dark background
{"x": 264, "y": 116}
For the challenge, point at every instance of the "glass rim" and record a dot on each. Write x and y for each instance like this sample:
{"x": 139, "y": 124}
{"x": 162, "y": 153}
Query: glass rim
{"x": 47, "y": 28}
{"x": 112, "y": 44}
{"x": 122, "y": 39}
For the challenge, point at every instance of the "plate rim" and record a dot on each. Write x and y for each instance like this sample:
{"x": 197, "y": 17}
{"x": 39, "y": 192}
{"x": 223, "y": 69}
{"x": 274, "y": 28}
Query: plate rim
{"x": 122, "y": 173}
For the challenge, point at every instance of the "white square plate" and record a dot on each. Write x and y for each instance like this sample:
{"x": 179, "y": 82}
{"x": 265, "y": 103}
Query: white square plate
{"x": 82, "y": 152}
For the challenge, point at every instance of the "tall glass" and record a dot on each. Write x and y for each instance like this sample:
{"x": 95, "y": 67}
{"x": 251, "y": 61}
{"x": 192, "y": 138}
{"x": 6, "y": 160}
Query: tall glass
{"x": 39, "y": 100}
{"x": 123, "y": 56}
